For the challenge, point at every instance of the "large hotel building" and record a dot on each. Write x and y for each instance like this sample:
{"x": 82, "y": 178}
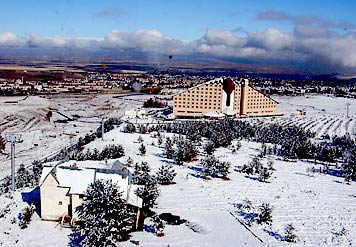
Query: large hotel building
{"x": 223, "y": 96}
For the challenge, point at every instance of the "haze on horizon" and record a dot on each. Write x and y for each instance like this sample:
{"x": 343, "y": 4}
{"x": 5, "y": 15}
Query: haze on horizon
{"x": 317, "y": 34}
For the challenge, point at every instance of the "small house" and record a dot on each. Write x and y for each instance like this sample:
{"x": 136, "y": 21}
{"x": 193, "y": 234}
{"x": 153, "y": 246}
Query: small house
{"x": 62, "y": 188}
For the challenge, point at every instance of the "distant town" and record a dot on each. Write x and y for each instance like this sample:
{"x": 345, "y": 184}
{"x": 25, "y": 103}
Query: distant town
{"x": 30, "y": 83}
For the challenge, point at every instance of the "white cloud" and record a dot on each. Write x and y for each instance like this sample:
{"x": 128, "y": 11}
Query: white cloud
{"x": 306, "y": 44}
{"x": 272, "y": 39}
{"x": 10, "y": 39}
{"x": 144, "y": 40}
{"x": 227, "y": 38}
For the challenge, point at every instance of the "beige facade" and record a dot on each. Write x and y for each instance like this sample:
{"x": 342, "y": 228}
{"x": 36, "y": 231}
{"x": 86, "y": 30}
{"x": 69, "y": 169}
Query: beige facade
{"x": 54, "y": 199}
{"x": 224, "y": 96}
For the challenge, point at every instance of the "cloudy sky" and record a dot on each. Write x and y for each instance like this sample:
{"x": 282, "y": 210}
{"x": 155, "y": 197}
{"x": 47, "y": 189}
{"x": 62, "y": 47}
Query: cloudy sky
{"x": 299, "y": 32}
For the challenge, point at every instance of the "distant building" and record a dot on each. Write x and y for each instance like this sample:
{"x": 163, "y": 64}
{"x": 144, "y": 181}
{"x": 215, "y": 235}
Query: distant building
{"x": 132, "y": 114}
{"x": 224, "y": 96}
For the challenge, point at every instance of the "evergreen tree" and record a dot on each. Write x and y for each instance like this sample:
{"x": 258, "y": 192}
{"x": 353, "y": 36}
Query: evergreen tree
{"x": 270, "y": 164}
{"x": 247, "y": 205}
{"x": 179, "y": 155}
{"x": 105, "y": 219}
{"x": 160, "y": 140}
{"x": 94, "y": 155}
{"x": 290, "y": 235}
{"x": 24, "y": 178}
{"x": 253, "y": 167}
{"x": 129, "y": 161}
{"x": 149, "y": 194}
{"x": 223, "y": 168}
{"x": 169, "y": 151}
{"x": 275, "y": 149}
{"x": 130, "y": 128}
{"x": 25, "y": 216}
{"x": 209, "y": 148}
{"x": 141, "y": 175}
{"x": 265, "y": 214}
{"x": 111, "y": 152}
{"x": 236, "y": 147}
{"x": 143, "y": 129}
{"x": 264, "y": 174}
{"x": 263, "y": 152}
{"x": 185, "y": 151}
{"x": 288, "y": 150}
{"x": 349, "y": 166}
{"x": 2, "y": 143}
{"x": 140, "y": 139}
{"x": 215, "y": 168}
{"x": 165, "y": 174}
{"x": 209, "y": 165}
{"x": 37, "y": 168}
{"x": 142, "y": 149}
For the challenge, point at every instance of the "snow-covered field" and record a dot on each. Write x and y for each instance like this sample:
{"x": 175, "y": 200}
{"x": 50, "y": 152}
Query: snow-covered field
{"x": 319, "y": 206}
{"x": 42, "y": 137}
{"x": 325, "y": 115}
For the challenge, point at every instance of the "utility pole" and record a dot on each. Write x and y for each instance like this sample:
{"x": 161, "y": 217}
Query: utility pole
{"x": 347, "y": 109}
{"x": 13, "y": 139}
{"x": 102, "y": 128}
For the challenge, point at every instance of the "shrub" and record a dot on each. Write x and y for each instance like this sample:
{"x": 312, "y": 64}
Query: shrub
{"x": 290, "y": 235}
{"x": 25, "y": 216}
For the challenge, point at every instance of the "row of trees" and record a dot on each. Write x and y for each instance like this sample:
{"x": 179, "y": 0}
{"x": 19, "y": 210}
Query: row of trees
{"x": 25, "y": 177}
{"x": 29, "y": 177}
{"x": 152, "y": 103}
{"x": 109, "y": 152}
{"x": 290, "y": 142}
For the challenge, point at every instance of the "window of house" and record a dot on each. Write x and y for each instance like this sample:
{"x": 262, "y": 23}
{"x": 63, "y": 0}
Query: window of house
{"x": 60, "y": 203}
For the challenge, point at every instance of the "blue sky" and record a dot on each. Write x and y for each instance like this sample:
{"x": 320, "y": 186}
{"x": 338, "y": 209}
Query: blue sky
{"x": 291, "y": 32}
{"x": 185, "y": 19}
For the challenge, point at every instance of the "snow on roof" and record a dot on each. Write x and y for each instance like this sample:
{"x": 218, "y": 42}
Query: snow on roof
{"x": 115, "y": 178}
{"x": 228, "y": 112}
{"x": 75, "y": 179}
{"x": 46, "y": 170}
{"x": 213, "y": 114}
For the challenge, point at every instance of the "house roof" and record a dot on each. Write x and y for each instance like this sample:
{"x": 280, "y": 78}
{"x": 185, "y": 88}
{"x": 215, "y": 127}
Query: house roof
{"x": 77, "y": 179}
